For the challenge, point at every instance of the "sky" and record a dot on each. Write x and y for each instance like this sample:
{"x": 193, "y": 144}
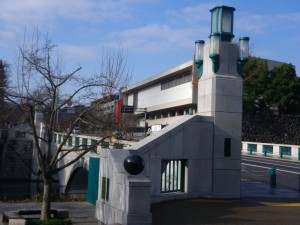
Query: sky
{"x": 155, "y": 35}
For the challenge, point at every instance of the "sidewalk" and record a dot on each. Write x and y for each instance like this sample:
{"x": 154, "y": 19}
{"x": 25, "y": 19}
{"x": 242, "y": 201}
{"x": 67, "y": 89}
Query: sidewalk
{"x": 258, "y": 205}
{"x": 81, "y": 213}
{"x": 261, "y": 190}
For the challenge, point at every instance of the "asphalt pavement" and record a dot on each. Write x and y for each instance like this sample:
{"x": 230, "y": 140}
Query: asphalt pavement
{"x": 259, "y": 204}
{"x": 257, "y": 167}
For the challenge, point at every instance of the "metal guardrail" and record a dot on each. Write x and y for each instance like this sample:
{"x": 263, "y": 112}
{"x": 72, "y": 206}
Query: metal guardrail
{"x": 271, "y": 175}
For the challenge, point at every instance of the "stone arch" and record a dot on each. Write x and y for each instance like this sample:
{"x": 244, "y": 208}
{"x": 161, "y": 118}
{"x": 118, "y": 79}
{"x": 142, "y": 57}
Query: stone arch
{"x": 78, "y": 182}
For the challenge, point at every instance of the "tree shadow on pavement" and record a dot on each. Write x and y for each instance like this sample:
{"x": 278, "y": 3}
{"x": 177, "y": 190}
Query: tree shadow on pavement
{"x": 217, "y": 211}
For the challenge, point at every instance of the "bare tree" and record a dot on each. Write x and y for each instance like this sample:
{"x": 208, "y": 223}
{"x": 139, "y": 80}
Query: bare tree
{"x": 3, "y": 85}
{"x": 44, "y": 87}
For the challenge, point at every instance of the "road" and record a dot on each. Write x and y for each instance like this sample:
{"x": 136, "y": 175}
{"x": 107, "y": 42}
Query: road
{"x": 258, "y": 168}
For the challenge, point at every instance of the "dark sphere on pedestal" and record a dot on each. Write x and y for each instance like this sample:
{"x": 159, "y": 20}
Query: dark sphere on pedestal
{"x": 134, "y": 164}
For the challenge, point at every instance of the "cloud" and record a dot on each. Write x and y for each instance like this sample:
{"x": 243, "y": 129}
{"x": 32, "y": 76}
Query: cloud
{"x": 77, "y": 52}
{"x": 192, "y": 14}
{"x": 6, "y": 34}
{"x": 40, "y": 11}
{"x": 257, "y": 24}
{"x": 181, "y": 29}
{"x": 155, "y": 38}
{"x": 17, "y": 16}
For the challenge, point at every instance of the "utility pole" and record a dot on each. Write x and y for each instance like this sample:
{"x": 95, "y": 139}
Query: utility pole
{"x": 145, "y": 129}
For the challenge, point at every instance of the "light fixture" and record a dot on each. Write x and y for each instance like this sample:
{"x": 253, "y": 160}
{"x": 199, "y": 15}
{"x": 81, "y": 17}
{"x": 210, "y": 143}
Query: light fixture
{"x": 221, "y": 32}
{"x": 214, "y": 51}
{"x": 243, "y": 53}
{"x": 244, "y": 48}
{"x": 199, "y": 52}
{"x": 222, "y": 22}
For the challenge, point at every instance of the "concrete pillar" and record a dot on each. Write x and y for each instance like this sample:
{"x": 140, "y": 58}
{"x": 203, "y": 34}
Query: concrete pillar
{"x": 220, "y": 96}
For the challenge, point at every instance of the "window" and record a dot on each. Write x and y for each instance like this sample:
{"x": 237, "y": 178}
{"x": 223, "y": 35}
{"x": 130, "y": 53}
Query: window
{"x": 172, "y": 175}
{"x": 177, "y": 80}
{"x": 105, "y": 188}
{"x": 172, "y": 113}
{"x": 150, "y": 116}
{"x": 180, "y": 112}
{"x": 189, "y": 111}
{"x": 164, "y": 114}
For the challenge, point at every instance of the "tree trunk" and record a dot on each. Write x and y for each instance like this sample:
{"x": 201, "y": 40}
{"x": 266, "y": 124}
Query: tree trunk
{"x": 46, "y": 205}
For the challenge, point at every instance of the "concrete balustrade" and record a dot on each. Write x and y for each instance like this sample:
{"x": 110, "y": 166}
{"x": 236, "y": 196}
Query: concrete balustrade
{"x": 271, "y": 149}
{"x": 87, "y": 140}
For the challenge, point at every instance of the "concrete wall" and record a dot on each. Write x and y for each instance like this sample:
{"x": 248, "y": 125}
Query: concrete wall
{"x": 155, "y": 97}
{"x": 189, "y": 139}
{"x": 126, "y": 200}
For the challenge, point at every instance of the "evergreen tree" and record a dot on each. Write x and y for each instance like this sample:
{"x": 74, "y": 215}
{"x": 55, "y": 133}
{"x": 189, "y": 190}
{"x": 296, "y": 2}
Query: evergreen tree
{"x": 284, "y": 90}
{"x": 265, "y": 90}
{"x": 256, "y": 77}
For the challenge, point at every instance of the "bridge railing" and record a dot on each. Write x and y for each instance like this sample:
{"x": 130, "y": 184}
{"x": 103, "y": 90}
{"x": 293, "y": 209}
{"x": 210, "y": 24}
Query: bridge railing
{"x": 76, "y": 140}
{"x": 270, "y": 149}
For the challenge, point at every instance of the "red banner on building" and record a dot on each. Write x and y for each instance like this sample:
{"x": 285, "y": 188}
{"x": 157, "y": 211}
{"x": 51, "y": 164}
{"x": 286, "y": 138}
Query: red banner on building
{"x": 118, "y": 109}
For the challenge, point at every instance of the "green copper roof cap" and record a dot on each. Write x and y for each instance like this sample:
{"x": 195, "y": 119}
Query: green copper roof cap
{"x": 244, "y": 38}
{"x": 199, "y": 41}
{"x": 224, "y": 7}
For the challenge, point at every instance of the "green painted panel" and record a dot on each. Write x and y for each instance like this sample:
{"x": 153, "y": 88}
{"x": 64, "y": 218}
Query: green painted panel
{"x": 76, "y": 141}
{"x": 284, "y": 150}
{"x": 252, "y": 148}
{"x": 268, "y": 149}
{"x": 93, "y": 180}
{"x": 84, "y": 143}
{"x": 70, "y": 141}
{"x": 94, "y": 142}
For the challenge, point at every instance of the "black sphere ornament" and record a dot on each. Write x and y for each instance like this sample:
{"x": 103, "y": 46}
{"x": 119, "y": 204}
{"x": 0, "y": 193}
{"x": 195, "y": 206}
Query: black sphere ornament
{"x": 134, "y": 164}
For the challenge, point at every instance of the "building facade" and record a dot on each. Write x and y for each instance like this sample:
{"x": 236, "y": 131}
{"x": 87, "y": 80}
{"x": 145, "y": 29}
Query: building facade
{"x": 168, "y": 96}
{"x": 165, "y": 97}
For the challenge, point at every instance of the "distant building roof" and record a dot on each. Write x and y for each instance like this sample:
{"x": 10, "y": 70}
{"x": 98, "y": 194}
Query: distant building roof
{"x": 159, "y": 77}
